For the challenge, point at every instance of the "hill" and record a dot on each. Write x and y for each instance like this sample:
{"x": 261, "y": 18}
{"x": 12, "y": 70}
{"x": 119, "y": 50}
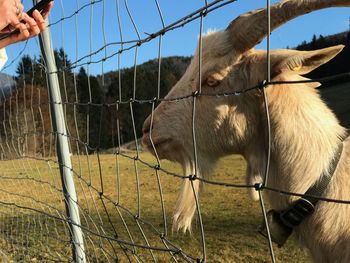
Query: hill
{"x": 145, "y": 87}
{"x": 172, "y": 68}
{"x": 6, "y": 84}
{"x": 335, "y": 93}
{"x": 340, "y": 64}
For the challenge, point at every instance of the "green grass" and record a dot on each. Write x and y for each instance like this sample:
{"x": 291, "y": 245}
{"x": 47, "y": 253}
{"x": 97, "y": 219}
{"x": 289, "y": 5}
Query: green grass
{"x": 230, "y": 219}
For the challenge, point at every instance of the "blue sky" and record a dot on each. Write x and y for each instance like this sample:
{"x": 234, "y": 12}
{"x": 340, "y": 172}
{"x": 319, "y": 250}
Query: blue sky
{"x": 97, "y": 25}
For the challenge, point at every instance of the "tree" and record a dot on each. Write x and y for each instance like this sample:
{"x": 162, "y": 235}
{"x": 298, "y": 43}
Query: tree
{"x": 172, "y": 69}
{"x": 321, "y": 42}
{"x": 91, "y": 109}
{"x": 30, "y": 71}
{"x": 314, "y": 42}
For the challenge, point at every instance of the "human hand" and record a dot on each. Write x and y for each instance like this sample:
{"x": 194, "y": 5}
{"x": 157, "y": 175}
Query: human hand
{"x": 27, "y": 28}
{"x": 10, "y": 14}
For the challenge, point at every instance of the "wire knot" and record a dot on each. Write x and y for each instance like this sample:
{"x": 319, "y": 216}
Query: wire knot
{"x": 259, "y": 186}
{"x": 195, "y": 93}
{"x": 263, "y": 84}
{"x": 192, "y": 177}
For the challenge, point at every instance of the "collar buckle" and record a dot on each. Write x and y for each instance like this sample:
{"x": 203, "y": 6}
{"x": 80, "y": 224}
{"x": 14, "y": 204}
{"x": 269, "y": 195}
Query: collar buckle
{"x": 281, "y": 224}
{"x": 295, "y": 214}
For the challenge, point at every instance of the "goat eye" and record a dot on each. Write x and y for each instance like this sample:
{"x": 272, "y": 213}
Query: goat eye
{"x": 211, "y": 82}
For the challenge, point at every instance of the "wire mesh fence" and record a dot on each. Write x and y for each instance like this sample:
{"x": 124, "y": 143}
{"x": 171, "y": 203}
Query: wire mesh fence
{"x": 125, "y": 195}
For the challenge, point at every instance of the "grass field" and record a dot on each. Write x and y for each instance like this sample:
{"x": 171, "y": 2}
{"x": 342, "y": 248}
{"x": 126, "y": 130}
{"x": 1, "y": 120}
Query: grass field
{"x": 230, "y": 219}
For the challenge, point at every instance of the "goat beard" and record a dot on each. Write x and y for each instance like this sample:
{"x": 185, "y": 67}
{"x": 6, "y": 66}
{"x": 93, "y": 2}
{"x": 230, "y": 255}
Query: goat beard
{"x": 188, "y": 198}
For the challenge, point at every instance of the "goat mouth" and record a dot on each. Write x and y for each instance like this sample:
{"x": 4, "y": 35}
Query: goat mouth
{"x": 151, "y": 143}
{"x": 160, "y": 143}
{"x": 162, "y": 147}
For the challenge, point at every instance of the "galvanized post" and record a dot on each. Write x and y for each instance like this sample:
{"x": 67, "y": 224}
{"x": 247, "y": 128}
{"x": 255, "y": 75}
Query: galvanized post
{"x": 62, "y": 147}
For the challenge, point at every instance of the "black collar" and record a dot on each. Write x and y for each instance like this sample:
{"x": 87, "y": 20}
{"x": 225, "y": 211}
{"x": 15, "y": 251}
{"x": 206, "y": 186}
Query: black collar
{"x": 303, "y": 207}
{"x": 321, "y": 185}
{"x": 281, "y": 224}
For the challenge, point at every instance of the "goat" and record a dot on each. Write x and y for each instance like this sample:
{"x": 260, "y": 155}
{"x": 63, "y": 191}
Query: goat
{"x": 305, "y": 132}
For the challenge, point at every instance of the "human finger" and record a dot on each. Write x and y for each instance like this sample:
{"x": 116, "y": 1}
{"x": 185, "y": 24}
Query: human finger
{"x": 27, "y": 29}
{"x": 17, "y": 3}
{"x": 19, "y": 10}
{"x": 39, "y": 20}
{"x": 23, "y": 33}
{"x": 34, "y": 25}
{"x": 14, "y": 17}
{"x": 10, "y": 14}
{"x": 19, "y": 6}
{"x": 31, "y": 25}
{"x": 46, "y": 12}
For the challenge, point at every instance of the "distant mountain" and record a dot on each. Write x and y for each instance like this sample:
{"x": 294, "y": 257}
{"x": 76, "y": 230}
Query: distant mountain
{"x": 7, "y": 82}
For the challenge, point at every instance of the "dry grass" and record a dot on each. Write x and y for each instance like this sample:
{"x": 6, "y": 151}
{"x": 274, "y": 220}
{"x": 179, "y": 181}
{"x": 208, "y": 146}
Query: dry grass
{"x": 230, "y": 218}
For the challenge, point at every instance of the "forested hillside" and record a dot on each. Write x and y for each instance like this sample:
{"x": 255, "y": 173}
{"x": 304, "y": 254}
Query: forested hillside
{"x": 340, "y": 63}
{"x": 335, "y": 93}
{"x": 89, "y": 103}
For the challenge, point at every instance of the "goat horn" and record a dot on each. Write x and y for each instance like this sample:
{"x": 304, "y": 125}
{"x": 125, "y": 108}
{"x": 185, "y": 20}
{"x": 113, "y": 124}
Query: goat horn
{"x": 249, "y": 29}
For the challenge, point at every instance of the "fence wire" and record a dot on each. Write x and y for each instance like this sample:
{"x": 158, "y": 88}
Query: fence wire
{"x": 125, "y": 196}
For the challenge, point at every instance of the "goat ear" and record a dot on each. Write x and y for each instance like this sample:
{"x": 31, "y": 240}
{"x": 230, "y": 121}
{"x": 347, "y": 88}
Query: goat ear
{"x": 303, "y": 62}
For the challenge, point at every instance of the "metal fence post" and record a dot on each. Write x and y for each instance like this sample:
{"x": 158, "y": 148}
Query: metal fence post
{"x": 62, "y": 147}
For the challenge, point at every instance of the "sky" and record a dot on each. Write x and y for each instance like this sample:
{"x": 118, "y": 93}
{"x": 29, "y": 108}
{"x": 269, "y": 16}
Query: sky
{"x": 96, "y": 25}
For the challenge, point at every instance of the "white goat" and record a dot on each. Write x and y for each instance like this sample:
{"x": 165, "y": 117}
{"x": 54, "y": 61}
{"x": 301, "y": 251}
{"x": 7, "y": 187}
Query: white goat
{"x": 305, "y": 133}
